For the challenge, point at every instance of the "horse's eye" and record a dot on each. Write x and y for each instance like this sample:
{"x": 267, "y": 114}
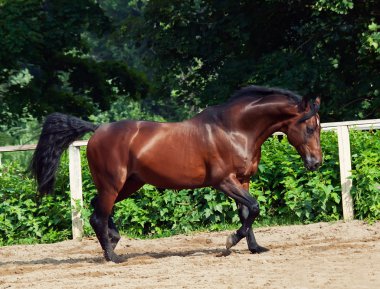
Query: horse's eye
{"x": 309, "y": 130}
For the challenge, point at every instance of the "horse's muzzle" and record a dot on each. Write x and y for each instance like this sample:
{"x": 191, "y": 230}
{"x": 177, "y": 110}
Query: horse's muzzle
{"x": 312, "y": 164}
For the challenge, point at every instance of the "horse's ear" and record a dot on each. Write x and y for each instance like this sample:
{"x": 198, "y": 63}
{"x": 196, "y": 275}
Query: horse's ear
{"x": 304, "y": 103}
{"x": 317, "y": 101}
{"x": 308, "y": 108}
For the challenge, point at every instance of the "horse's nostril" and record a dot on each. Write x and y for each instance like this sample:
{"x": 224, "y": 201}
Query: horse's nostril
{"x": 313, "y": 165}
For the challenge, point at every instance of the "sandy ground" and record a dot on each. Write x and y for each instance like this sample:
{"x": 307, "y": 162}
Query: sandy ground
{"x": 323, "y": 255}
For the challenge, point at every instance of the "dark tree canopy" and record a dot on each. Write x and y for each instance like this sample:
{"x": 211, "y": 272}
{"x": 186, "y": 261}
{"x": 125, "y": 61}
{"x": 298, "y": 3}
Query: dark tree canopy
{"x": 46, "y": 63}
{"x": 75, "y": 56}
{"x": 210, "y": 48}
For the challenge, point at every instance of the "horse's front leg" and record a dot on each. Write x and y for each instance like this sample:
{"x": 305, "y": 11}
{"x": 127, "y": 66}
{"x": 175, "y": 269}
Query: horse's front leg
{"x": 243, "y": 215}
{"x": 251, "y": 240}
{"x": 248, "y": 209}
{"x": 113, "y": 232}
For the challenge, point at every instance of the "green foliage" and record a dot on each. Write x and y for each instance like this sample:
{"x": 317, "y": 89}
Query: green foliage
{"x": 79, "y": 57}
{"x": 366, "y": 175}
{"x": 45, "y": 64}
{"x": 201, "y": 51}
{"x": 24, "y": 218}
{"x": 154, "y": 212}
{"x": 18, "y": 131}
{"x": 124, "y": 108}
{"x": 337, "y": 6}
{"x": 284, "y": 189}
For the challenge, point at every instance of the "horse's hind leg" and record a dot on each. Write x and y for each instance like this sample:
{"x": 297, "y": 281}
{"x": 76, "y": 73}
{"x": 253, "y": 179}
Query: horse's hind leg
{"x": 102, "y": 222}
{"x": 99, "y": 222}
{"x": 131, "y": 186}
{"x": 113, "y": 232}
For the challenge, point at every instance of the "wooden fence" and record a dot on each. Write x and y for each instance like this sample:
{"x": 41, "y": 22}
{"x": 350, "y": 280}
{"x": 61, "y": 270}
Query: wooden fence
{"x": 342, "y": 129}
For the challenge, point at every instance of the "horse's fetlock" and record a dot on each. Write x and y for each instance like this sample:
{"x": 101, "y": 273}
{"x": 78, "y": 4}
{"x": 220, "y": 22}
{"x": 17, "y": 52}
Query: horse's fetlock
{"x": 255, "y": 209}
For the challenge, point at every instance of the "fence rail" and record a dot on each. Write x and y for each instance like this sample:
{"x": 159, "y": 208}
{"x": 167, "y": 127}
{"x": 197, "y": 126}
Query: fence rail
{"x": 342, "y": 129}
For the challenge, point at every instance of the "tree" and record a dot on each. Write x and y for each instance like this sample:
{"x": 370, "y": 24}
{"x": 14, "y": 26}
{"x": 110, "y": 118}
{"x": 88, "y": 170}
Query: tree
{"x": 45, "y": 60}
{"x": 78, "y": 56}
{"x": 201, "y": 51}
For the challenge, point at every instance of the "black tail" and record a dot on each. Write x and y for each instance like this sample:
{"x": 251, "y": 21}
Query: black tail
{"x": 58, "y": 132}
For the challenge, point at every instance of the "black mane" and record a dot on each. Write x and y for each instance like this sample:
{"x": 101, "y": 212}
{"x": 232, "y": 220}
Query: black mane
{"x": 260, "y": 91}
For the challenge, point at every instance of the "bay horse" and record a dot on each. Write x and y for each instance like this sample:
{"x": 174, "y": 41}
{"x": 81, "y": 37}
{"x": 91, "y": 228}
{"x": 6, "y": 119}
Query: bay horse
{"x": 219, "y": 147}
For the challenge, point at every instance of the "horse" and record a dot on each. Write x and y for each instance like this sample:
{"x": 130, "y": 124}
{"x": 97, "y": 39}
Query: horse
{"x": 220, "y": 147}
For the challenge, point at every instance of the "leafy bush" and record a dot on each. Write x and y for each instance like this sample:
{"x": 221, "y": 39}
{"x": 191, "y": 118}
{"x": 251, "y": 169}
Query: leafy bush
{"x": 284, "y": 189}
{"x": 153, "y": 212}
{"x": 124, "y": 108}
{"x": 366, "y": 174}
{"x": 24, "y": 218}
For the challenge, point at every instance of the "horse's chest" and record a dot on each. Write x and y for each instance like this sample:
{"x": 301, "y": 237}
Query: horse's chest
{"x": 247, "y": 167}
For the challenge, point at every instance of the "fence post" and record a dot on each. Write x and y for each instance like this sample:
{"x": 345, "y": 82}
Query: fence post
{"x": 75, "y": 171}
{"x": 345, "y": 171}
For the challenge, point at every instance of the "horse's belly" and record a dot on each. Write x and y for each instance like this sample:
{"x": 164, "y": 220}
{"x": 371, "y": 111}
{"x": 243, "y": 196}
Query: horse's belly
{"x": 173, "y": 174}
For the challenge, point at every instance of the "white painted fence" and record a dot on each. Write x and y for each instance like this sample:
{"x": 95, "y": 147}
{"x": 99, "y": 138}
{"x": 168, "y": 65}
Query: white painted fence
{"x": 342, "y": 129}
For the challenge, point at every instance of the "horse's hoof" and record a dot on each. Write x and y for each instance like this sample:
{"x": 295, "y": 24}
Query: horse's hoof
{"x": 258, "y": 250}
{"x": 231, "y": 241}
{"x": 114, "y": 258}
{"x": 225, "y": 253}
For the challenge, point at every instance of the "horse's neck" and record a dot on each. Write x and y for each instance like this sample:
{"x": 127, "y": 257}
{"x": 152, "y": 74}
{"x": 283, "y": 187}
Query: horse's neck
{"x": 262, "y": 119}
{"x": 257, "y": 119}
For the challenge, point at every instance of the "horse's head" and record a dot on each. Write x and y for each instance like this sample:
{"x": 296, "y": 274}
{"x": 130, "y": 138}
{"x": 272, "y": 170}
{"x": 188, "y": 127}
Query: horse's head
{"x": 304, "y": 133}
